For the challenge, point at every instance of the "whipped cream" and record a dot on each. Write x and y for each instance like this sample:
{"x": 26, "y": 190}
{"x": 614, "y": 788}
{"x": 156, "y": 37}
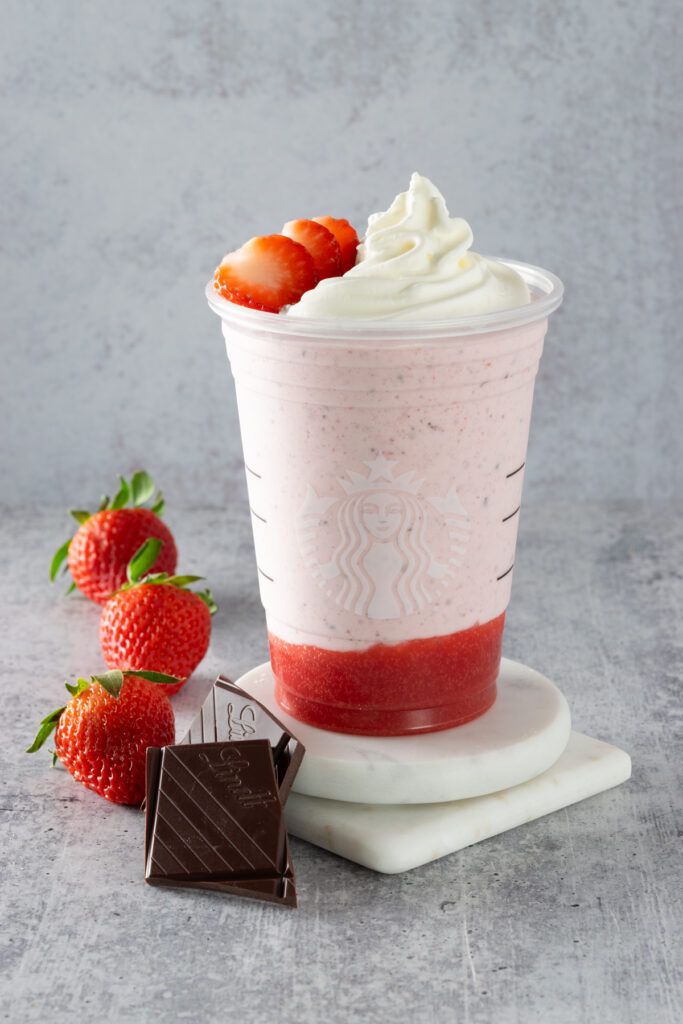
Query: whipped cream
{"x": 415, "y": 264}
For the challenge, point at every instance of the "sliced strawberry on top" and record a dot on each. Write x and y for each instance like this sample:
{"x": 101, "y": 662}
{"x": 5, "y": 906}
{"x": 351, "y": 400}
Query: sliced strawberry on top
{"x": 267, "y": 272}
{"x": 346, "y": 236}
{"x": 320, "y": 242}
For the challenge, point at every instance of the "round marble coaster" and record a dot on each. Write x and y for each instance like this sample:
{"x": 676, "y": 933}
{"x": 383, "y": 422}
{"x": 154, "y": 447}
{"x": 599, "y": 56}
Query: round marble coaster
{"x": 522, "y": 735}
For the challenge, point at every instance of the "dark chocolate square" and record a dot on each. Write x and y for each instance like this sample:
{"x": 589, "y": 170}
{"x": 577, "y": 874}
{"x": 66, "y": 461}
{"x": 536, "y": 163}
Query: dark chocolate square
{"x": 229, "y": 713}
{"x": 215, "y": 820}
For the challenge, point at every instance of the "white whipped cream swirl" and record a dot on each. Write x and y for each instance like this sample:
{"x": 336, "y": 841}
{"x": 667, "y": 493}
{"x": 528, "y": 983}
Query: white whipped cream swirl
{"x": 415, "y": 264}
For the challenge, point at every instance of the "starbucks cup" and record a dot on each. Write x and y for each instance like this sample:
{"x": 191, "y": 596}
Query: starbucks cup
{"x": 384, "y": 463}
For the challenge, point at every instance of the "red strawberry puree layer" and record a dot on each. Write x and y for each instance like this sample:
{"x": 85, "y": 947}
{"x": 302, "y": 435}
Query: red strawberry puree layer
{"x": 411, "y": 687}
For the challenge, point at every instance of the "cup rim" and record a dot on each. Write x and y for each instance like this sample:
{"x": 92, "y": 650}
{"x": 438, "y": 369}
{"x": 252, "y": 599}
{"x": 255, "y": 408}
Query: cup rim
{"x": 546, "y": 290}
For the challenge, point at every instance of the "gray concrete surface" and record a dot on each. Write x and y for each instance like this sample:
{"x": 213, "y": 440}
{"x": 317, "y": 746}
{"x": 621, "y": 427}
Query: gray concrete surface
{"x": 568, "y": 919}
{"x": 142, "y": 140}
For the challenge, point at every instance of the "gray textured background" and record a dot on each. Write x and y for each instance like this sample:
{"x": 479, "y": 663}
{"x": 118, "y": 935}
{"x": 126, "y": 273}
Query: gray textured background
{"x": 145, "y": 139}
{"x": 140, "y": 140}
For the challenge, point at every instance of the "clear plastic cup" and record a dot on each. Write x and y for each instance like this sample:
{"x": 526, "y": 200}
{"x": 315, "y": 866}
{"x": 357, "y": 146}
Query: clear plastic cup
{"x": 384, "y": 463}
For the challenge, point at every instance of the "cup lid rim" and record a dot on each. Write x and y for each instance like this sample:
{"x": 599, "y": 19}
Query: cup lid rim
{"x": 546, "y": 289}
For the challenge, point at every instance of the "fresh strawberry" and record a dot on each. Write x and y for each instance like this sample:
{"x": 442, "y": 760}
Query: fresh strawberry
{"x": 320, "y": 242}
{"x": 105, "y": 542}
{"x": 153, "y": 622}
{"x": 266, "y": 273}
{"x": 104, "y": 731}
{"x": 346, "y": 237}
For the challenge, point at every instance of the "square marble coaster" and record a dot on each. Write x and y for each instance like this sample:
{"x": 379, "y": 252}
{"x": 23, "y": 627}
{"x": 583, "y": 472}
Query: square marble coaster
{"x": 394, "y": 838}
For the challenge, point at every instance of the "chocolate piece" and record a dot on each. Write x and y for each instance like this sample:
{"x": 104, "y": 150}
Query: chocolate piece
{"x": 214, "y": 820}
{"x": 229, "y": 713}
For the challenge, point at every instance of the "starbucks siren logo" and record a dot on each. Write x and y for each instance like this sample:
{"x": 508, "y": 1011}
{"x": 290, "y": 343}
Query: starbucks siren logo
{"x": 370, "y": 548}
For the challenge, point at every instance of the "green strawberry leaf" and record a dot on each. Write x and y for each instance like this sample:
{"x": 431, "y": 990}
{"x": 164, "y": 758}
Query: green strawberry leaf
{"x": 80, "y": 686}
{"x": 207, "y": 598}
{"x": 182, "y": 581}
{"x": 154, "y": 677}
{"x": 159, "y": 505}
{"x": 104, "y": 502}
{"x": 53, "y": 717}
{"x": 143, "y": 559}
{"x": 150, "y": 578}
{"x": 58, "y": 559}
{"x": 142, "y": 488}
{"x": 46, "y": 729}
{"x": 80, "y": 515}
{"x": 111, "y": 681}
{"x": 71, "y": 589}
{"x": 121, "y": 499}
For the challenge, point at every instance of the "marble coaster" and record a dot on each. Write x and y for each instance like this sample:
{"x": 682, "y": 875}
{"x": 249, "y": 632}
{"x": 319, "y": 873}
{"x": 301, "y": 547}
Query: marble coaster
{"x": 393, "y": 839}
{"x": 524, "y": 733}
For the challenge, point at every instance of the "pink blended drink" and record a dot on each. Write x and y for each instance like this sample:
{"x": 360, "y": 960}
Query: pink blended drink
{"x": 385, "y": 461}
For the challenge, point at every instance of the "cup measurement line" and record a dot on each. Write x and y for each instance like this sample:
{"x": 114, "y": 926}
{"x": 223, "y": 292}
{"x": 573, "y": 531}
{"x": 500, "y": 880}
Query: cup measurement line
{"x": 253, "y": 472}
{"x": 257, "y": 515}
{"x": 506, "y": 573}
{"x": 265, "y": 574}
{"x": 512, "y": 514}
{"x": 515, "y": 471}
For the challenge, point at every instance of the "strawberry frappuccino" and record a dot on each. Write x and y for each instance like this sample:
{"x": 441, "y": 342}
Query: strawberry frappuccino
{"x": 384, "y": 418}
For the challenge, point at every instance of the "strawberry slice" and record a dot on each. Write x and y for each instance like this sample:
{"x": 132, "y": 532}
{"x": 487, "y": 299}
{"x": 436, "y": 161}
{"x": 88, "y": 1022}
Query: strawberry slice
{"x": 267, "y": 272}
{"x": 320, "y": 242}
{"x": 345, "y": 235}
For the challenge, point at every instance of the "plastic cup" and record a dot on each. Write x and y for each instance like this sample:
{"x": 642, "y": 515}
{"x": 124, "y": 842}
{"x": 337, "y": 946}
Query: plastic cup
{"x": 384, "y": 463}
